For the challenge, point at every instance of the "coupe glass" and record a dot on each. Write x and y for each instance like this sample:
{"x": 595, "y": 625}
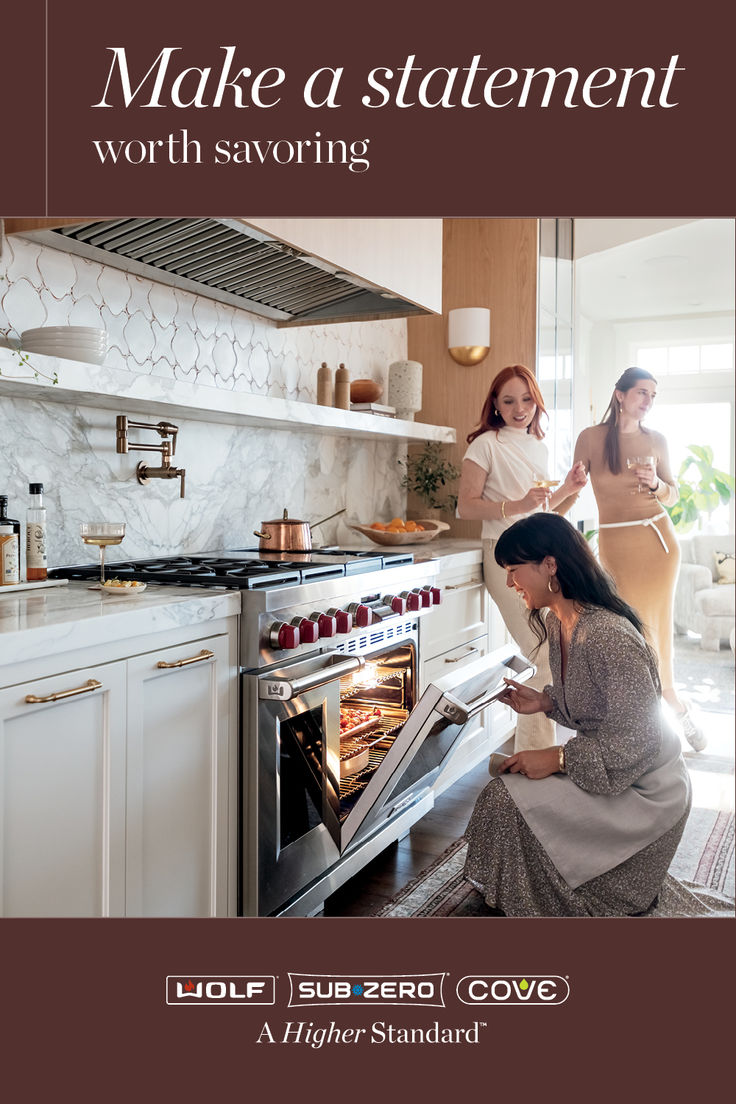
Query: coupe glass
{"x": 549, "y": 484}
{"x": 101, "y": 534}
{"x": 640, "y": 462}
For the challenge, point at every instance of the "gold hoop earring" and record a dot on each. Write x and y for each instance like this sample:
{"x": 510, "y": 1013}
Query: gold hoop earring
{"x": 550, "y": 588}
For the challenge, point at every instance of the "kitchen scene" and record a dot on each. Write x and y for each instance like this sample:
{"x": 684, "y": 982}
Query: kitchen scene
{"x": 246, "y": 650}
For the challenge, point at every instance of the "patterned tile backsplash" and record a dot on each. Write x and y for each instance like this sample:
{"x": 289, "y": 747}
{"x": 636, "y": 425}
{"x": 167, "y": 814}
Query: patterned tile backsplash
{"x": 236, "y": 477}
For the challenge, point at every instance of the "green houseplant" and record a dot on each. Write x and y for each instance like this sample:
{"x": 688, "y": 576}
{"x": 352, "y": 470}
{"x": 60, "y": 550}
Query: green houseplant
{"x": 428, "y": 474}
{"x": 702, "y": 489}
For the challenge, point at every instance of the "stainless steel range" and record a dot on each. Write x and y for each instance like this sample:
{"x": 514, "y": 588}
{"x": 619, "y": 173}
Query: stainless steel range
{"x": 340, "y": 745}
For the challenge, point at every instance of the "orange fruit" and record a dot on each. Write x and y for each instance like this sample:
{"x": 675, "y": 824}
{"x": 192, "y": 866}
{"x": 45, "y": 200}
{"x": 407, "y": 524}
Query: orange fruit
{"x": 378, "y": 525}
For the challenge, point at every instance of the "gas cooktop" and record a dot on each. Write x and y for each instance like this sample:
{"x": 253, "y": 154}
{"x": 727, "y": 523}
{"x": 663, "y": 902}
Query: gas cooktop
{"x": 244, "y": 568}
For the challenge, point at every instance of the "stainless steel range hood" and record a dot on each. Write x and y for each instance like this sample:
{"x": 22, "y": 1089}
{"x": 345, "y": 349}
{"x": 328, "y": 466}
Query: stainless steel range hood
{"x": 226, "y": 260}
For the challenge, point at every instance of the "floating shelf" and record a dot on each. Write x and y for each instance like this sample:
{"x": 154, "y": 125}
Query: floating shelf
{"x": 114, "y": 389}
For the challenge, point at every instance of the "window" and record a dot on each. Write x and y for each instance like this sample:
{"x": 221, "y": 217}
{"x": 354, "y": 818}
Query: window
{"x": 685, "y": 360}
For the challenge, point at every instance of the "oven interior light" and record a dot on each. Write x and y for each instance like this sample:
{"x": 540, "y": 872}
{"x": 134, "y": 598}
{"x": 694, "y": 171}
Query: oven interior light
{"x": 367, "y": 677}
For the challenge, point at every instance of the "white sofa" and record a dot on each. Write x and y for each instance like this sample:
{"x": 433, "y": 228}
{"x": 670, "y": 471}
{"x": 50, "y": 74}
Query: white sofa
{"x": 701, "y": 602}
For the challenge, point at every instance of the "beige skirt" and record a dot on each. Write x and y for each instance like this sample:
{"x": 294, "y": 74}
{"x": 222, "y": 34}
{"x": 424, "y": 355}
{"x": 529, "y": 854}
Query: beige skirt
{"x": 645, "y": 576}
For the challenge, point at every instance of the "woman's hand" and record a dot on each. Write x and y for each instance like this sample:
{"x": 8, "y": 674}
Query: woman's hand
{"x": 523, "y": 699}
{"x": 534, "y": 764}
{"x": 576, "y": 478}
{"x": 647, "y": 474}
{"x": 532, "y": 500}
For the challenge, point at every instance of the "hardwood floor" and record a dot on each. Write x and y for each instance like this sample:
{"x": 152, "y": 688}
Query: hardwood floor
{"x": 381, "y": 879}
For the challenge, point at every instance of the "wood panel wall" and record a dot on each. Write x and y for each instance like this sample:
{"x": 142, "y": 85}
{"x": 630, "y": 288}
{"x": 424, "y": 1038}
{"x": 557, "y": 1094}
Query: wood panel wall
{"x": 486, "y": 263}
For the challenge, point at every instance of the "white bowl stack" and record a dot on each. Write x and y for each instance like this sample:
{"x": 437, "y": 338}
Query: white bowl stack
{"x": 71, "y": 342}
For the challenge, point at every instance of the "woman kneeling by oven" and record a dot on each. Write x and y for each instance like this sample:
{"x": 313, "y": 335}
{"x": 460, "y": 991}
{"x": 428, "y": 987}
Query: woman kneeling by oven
{"x": 588, "y": 828}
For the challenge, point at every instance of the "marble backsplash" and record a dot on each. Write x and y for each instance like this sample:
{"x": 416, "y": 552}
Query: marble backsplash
{"x": 237, "y": 477}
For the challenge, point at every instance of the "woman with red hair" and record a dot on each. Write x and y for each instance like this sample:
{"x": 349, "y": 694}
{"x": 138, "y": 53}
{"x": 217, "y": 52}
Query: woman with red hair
{"x": 504, "y": 464}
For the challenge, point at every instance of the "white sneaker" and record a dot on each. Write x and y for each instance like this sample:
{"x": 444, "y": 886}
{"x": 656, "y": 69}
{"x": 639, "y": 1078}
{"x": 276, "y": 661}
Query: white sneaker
{"x": 692, "y": 732}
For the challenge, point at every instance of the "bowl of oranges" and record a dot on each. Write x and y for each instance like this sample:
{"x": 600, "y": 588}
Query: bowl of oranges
{"x": 401, "y": 531}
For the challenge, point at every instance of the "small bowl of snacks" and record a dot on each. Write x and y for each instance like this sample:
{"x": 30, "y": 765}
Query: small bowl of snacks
{"x": 122, "y": 588}
{"x": 398, "y": 531}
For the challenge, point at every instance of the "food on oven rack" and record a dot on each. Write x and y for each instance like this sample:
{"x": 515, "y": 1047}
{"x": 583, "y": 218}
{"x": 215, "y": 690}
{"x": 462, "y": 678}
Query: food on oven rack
{"x": 353, "y": 721}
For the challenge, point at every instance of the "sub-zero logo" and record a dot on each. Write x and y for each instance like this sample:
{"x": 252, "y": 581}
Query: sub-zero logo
{"x": 367, "y": 989}
{"x": 532, "y": 989}
{"x": 238, "y": 989}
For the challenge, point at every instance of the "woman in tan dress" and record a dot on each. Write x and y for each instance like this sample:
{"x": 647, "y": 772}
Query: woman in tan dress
{"x": 630, "y": 473}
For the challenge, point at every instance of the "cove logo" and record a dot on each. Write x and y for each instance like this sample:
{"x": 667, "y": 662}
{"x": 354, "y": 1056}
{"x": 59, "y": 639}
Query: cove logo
{"x": 366, "y": 990}
{"x": 533, "y": 989}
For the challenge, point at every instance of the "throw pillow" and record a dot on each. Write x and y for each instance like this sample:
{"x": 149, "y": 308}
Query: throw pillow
{"x": 725, "y": 567}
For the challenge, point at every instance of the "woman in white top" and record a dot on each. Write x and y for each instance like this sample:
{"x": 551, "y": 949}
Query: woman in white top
{"x": 504, "y": 460}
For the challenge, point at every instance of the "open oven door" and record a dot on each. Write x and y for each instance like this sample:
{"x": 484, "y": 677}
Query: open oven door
{"x": 430, "y": 734}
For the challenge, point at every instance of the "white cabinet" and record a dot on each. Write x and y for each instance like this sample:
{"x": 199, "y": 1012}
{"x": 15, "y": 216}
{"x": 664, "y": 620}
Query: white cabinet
{"x": 177, "y": 771}
{"x": 118, "y": 783}
{"x": 62, "y": 794}
{"x": 457, "y": 633}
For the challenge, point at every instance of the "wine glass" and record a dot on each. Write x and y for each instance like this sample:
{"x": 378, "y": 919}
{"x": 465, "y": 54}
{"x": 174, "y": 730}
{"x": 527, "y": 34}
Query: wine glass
{"x": 640, "y": 462}
{"x": 100, "y": 534}
{"x": 542, "y": 481}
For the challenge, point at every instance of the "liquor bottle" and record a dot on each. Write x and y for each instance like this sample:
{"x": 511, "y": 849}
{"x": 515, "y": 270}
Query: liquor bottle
{"x": 36, "y": 558}
{"x": 5, "y": 520}
{"x": 9, "y": 555}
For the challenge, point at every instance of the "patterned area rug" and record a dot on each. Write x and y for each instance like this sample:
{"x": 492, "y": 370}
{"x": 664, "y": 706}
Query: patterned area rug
{"x": 700, "y": 882}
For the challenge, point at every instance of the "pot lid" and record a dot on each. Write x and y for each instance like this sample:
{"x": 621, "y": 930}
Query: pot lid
{"x": 285, "y": 520}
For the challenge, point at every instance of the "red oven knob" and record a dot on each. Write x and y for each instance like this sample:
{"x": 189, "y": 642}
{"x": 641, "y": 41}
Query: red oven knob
{"x": 413, "y": 599}
{"x": 326, "y": 625}
{"x": 362, "y": 615}
{"x": 425, "y": 598}
{"x": 435, "y": 593}
{"x": 396, "y": 602}
{"x": 308, "y": 630}
{"x": 343, "y": 618}
{"x": 283, "y": 635}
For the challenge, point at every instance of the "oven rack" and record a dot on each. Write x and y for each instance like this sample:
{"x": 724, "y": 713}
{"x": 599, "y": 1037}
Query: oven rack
{"x": 361, "y": 687}
{"x": 353, "y": 784}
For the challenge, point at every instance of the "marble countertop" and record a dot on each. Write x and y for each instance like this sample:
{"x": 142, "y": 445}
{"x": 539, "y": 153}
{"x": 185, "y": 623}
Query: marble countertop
{"x": 54, "y": 620}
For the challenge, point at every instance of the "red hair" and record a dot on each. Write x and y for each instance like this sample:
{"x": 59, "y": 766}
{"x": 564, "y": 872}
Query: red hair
{"x": 491, "y": 419}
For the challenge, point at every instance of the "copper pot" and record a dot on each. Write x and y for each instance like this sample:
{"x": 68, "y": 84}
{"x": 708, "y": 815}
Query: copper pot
{"x": 288, "y": 534}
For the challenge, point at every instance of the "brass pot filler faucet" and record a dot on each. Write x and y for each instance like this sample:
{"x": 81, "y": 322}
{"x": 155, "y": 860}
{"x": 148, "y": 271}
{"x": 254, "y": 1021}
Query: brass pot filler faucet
{"x": 144, "y": 473}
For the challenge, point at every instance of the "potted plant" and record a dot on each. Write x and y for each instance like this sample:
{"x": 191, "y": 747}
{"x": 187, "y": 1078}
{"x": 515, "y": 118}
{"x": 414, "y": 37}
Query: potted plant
{"x": 427, "y": 476}
{"x": 702, "y": 489}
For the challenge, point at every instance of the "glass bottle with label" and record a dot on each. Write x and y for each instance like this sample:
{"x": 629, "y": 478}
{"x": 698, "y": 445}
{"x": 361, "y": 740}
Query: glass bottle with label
{"x": 36, "y": 558}
{"x": 9, "y": 555}
{"x": 5, "y": 520}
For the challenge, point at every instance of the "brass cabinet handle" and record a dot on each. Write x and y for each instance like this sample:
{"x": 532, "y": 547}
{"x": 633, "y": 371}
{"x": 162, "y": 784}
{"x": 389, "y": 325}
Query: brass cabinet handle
{"x": 204, "y": 654}
{"x": 91, "y": 684}
{"x": 465, "y": 656}
{"x": 464, "y": 586}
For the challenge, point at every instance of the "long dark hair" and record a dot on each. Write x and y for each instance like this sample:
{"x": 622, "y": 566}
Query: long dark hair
{"x": 579, "y": 574}
{"x": 611, "y": 451}
{"x": 491, "y": 419}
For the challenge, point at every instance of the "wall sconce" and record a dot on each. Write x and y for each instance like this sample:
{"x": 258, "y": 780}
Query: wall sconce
{"x": 469, "y": 335}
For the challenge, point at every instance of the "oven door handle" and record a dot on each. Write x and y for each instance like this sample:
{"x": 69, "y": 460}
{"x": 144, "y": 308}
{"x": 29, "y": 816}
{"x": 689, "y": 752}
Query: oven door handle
{"x": 285, "y": 689}
{"x": 459, "y": 712}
